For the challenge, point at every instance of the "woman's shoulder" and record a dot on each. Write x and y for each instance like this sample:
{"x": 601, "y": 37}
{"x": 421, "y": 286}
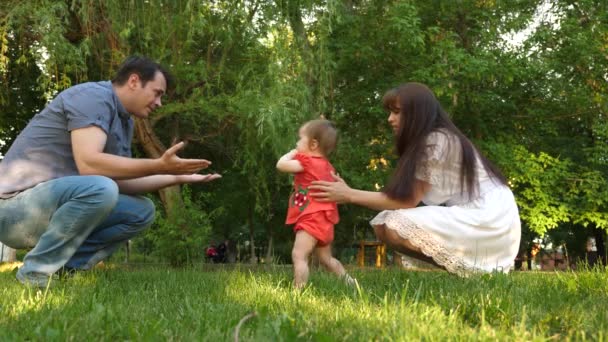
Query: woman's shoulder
{"x": 441, "y": 136}
{"x": 441, "y": 142}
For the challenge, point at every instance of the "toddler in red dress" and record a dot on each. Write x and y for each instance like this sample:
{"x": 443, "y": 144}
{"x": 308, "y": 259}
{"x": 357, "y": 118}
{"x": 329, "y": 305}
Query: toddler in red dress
{"x": 313, "y": 221}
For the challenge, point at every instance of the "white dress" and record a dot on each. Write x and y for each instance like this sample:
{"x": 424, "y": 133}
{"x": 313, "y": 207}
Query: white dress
{"x": 464, "y": 236}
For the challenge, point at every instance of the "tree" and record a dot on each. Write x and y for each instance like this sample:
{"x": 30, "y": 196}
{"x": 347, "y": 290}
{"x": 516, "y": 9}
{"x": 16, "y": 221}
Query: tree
{"x": 250, "y": 72}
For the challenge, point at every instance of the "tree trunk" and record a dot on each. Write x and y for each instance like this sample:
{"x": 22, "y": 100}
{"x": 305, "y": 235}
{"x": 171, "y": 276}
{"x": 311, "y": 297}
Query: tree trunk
{"x": 599, "y": 234}
{"x": 171, "y": 197}
{"x": 292, "y": 10}
{"x": 252, "y": 259}
{"x": 269, "y": 249}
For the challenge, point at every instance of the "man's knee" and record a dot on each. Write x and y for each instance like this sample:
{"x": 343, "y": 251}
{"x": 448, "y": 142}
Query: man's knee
{"x": 141, "y": 213}
{"x": 104, "y": 189}
{"x": 147, "y": 211}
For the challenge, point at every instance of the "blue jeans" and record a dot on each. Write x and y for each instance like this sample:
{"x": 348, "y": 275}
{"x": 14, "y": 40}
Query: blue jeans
{"x": 73, "y": 221}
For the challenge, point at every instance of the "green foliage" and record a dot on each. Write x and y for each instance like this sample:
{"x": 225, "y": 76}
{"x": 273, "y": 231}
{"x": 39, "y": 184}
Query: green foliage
{"x": 535, "y": 115}
{"x": 20, "y": 99}
{"x": 182, "y": 239}
{"x": 249, "y": 73}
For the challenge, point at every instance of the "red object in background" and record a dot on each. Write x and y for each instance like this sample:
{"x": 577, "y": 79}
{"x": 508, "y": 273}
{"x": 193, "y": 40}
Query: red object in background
{"x": 211, "y": 252}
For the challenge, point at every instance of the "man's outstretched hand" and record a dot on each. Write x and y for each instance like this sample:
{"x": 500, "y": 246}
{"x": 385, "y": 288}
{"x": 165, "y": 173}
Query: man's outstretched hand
{"x": 198, "y": 178}
{"x": 174, "y": 165}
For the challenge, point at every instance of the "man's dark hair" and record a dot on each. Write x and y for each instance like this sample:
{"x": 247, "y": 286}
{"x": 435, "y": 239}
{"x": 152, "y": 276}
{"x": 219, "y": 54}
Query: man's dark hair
{"x": 144, "y": 67}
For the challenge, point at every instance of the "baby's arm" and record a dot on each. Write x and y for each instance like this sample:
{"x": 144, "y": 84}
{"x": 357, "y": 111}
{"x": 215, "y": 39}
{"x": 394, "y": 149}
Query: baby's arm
{"x": 287, "y": 164}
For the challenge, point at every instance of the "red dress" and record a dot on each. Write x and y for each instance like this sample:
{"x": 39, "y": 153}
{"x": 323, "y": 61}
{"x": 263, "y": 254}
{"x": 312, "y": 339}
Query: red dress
{"x": 316, "y": 218}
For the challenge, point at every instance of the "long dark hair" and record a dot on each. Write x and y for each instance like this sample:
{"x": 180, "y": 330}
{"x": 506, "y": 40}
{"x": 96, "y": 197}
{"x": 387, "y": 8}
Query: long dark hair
{"x": 421, "y": 114}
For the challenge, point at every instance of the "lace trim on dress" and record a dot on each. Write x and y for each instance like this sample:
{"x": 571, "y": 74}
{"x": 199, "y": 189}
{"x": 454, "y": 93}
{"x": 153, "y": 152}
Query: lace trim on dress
{"x": 428, "y": 171}
{"x": 410, "y": 231}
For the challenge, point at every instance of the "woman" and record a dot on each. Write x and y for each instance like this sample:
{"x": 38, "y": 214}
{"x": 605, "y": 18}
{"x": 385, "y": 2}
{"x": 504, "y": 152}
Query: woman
{"x": 470, "y": 222}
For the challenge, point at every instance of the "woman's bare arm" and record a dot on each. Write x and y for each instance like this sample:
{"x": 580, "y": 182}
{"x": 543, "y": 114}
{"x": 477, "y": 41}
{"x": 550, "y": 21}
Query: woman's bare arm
{"x": 340, "y": 192}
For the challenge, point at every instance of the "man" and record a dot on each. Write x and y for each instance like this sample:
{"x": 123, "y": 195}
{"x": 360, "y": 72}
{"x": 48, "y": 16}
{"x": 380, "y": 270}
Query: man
{"x": 68, "y": 185}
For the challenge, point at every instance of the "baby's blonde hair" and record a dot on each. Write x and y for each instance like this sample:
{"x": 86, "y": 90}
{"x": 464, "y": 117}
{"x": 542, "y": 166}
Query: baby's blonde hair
{"x": 324, "y": 132}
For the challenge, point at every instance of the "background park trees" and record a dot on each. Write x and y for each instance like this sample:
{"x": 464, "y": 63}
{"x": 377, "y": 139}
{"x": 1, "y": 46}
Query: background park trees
{"x": 249, "y": 72}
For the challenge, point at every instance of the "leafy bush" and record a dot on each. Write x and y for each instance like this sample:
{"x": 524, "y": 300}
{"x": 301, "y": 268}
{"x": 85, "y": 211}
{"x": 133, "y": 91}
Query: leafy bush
{"x": 181, "y": 238}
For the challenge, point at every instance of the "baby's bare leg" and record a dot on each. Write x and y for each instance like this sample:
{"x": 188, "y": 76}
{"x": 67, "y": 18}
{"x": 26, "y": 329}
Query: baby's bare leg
{"x": 302, "y": 247}
{"x": 326, "y": 259}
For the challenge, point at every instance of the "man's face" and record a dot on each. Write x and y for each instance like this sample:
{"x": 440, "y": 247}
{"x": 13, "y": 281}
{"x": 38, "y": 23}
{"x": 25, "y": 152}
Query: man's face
{"x": 147, "y": 98}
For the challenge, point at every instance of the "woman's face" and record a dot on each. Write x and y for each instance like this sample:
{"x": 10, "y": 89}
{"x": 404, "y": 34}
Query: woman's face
{"x": 394, "y": 117}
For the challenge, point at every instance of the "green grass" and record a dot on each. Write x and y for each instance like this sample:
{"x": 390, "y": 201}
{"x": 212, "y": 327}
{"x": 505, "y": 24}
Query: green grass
{"x": 200, "y": 304}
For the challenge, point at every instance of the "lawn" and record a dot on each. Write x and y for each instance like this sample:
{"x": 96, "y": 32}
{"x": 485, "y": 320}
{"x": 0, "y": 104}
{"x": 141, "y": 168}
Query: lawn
{"x": 199, "y": 303}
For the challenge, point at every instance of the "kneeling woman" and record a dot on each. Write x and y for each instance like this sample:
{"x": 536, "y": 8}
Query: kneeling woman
{"x": 470, "y": 221}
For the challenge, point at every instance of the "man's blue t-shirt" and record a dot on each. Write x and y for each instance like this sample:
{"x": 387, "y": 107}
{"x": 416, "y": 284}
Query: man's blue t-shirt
{"x": 43, "y": 150}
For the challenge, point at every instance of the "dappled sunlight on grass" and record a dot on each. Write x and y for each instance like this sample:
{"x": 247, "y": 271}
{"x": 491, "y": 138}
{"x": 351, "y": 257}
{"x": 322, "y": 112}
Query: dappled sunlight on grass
{"x": 25, "y": 301}
{"x": 20, "y": 301}
{"x": 328, "y": 305}
{"x": 193, "y": 304}
{"x": 9, "y": 266}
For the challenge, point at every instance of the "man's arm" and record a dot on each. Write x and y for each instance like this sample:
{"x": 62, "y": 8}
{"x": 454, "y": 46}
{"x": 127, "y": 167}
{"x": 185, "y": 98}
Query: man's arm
{"x": 152, "y": 183}
{"x": 88, "y": 144}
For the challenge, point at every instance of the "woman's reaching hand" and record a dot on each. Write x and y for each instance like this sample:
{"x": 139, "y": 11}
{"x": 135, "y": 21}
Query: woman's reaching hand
{"x": 337, "y": 191}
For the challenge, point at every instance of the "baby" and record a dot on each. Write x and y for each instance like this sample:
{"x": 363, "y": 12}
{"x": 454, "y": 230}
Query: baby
{"x": 313, "y": 221}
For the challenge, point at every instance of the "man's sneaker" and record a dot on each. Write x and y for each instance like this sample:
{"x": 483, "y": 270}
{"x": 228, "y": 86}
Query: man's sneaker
{"x": 34, "y": 279}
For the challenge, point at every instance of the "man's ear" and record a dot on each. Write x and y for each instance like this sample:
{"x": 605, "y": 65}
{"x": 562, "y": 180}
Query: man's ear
{"x": 134, "y": 81}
